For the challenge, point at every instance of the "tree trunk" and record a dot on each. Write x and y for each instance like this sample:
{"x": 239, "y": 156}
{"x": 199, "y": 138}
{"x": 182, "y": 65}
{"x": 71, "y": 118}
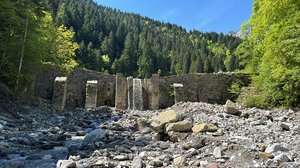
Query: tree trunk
{"x": 23, "y": 47}
{"x": 4, "y": 50}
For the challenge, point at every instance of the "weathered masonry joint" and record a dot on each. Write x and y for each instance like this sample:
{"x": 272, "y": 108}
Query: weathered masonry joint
{"x": 88, "y": 89}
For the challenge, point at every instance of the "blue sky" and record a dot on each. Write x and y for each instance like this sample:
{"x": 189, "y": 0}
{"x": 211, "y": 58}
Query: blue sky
{"x": 204, "y": 15}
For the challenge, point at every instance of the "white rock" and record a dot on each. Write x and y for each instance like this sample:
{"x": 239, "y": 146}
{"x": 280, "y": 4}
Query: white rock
{"x": 75, "y": 158}
{"x": 124, "y": 164}
{"x": 281, "y": 158}
{"x": 143, "y": 154}
{"x": 120, "y": 157}
{"x": 218, "y": 153}
{"x": 3, "y": 122}
{"x": 275, "y": 148}
{"x": 204, "y": 163}
{"x": 179, "y": 161}
{"x": 65, "y": 164}
{"x": 1, "y": 127}
{"x": 93, "y": 136}
{"x": 137, "y": 162}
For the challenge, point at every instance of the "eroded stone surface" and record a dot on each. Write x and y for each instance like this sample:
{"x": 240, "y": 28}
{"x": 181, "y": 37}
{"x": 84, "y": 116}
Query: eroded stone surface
{"x": 231, "y": 108}
{"x": 158, "y": 122}
{"x": 181, "y": 126}
{"x": 204, "y": 127}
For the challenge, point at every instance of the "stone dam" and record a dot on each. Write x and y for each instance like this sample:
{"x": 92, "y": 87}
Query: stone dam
{"x": 89, "y": 89}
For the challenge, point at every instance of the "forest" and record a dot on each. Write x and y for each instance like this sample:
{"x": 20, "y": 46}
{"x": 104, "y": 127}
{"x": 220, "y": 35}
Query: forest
{"x": 116, "y": 42}
{"x": 64, "y": 34}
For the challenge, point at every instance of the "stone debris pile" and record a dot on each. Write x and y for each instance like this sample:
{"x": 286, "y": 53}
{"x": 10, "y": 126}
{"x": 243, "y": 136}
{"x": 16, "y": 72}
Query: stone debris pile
{"x": 185, "y": 135}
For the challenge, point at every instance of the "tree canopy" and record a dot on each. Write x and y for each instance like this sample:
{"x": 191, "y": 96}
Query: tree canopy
{"x": 29, "y": 38}
{"x": 140, "y": 46}
{"x": 272, "y": 51}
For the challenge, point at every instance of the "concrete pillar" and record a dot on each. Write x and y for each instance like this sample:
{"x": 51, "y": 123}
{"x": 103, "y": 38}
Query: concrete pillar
{"x": 59, "y": 93}
{"x": 91, "y": 94}
{"x": 154, "y": 92}
{"x": 121, "y": 101}
{"x": 178, "y": 92}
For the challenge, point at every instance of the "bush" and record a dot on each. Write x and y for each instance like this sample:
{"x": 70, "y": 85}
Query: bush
{"x": 235, "y": 89}
{"x": 256, "y": 101}
{"x": 252, "y": 97}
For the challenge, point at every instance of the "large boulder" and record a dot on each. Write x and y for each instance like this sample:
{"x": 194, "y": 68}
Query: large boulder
{"x": 93, "y": 137}
{"x": 180, "y": 126}
{"x": 162, "y": 119}
{"x": 204, "y": 127}
{"x": 231, "y": 108}
{"x": 275, "y": 148}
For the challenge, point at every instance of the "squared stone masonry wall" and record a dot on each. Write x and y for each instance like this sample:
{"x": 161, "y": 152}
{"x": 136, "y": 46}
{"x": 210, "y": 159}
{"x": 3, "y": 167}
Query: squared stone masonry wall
{"x": 158, "y": 92}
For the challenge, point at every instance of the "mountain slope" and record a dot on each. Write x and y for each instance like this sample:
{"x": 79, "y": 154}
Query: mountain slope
{"x": 115, "y": 41}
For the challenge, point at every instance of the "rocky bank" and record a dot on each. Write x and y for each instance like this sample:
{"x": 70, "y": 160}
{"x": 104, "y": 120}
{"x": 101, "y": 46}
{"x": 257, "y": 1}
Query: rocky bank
{"x": 185, "y": 135}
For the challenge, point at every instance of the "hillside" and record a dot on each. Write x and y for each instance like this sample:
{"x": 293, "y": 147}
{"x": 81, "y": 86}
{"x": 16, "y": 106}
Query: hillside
{"x": 43, "y": 35}
{"x": 56, "y": 36}
{"x": 115, "y": 41}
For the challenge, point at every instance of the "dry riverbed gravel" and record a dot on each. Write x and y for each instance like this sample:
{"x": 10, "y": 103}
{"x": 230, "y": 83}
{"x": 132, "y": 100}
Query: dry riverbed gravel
{"x": 185, "y": 135}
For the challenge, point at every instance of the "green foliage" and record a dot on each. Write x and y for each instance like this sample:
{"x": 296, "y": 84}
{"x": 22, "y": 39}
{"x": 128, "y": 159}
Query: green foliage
{"x": 14, "y": 18}
{"x": 61, "y": 48}
{"x": 258, "y": 101}
{"x": 127, "y": 62}
{"x": 65, "y": 48}
{"x": 146, "y": 63}
{"x": 105, "y": 59}
{"x": 44, "y": 42}
{"x": 171, "y": 92}
{"x": 272, "y": 51}
{"x": 121, "y": 36}
{"x": 235, "y": 88}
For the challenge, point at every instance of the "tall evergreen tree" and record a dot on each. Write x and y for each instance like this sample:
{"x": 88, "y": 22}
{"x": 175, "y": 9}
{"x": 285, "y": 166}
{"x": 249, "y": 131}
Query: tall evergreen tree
{"x": 107, "y": 29}
{"x": 127, "y": 64}
{"x": 146, "y": 60}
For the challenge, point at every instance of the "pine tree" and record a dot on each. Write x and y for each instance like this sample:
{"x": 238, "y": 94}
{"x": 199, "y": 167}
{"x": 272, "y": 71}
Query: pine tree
{"x": 127, "y": 64}
{"x": 146, "y": 62}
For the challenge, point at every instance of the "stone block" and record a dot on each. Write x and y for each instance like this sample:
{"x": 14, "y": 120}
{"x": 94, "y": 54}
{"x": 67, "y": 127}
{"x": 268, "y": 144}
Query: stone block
{"x": 91, "y": 94}
{"x": 180, "y": 126}
{"x": 59, "y": 92}
{"x": 231, "y": 108}
{"x": 162, "y": 119}
{"x": 204, "y": 127}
